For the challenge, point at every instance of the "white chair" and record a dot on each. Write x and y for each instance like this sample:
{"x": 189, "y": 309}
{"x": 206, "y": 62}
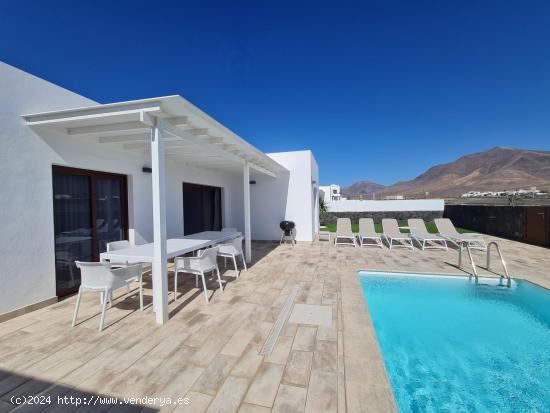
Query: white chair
{"x": 344, "y": 232}
{"x": 100, "y": 277}
{"x": 205, "y": 262}
{"x": 120, "y": 245}
{"x": 228, "y": 229}
{"x": 448, "y": 231}
{"x": 233, "y": 249}
{"x": 393, "y": 236}
{"x": 420, "y": 234}
{"x": 367, "y": 231}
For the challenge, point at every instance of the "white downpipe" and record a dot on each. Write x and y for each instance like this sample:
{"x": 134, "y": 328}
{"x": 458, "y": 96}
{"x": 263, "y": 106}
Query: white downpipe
{"x": 247, "y": 232}
{"x": 160, "y": 279}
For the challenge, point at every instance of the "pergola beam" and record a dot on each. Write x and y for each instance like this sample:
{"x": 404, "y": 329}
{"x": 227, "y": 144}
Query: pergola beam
{"x": 170, "y": 143}
{"x": 129, "y": 127}
{"x": 178, "y": 120}
{"x": 141, "y": 137}
{"x": 197, "y": 132}
{"x": 92, "y": 113}
{"x": 199, "y": 142}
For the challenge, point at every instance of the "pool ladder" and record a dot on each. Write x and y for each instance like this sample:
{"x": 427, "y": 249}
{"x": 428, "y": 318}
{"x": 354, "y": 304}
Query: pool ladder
{"x": 465, "y": 245}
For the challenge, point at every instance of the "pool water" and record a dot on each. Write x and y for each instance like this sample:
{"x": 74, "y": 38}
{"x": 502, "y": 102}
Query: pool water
{"x": 452, "y": 346}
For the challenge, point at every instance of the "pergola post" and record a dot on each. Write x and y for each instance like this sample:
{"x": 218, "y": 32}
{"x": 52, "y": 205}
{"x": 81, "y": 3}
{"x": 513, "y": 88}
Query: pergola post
{"x": 247, "y": 232}
{"x": 160, "y": 279}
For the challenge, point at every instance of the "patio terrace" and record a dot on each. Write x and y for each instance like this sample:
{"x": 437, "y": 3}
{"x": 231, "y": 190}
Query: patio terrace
{"x": 209, "y": 353}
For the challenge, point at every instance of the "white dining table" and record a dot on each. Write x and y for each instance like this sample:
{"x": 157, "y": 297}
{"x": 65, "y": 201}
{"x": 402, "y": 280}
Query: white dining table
{"x": 174, "y": 247}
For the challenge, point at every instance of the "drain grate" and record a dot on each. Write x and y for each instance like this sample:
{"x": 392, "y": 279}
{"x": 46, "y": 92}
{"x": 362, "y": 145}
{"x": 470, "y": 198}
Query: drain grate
{"x": 267, "y": 348}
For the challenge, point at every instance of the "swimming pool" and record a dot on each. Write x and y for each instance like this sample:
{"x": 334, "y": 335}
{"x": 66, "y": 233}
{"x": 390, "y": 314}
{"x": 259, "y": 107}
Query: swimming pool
{"x": 452, "y": 346}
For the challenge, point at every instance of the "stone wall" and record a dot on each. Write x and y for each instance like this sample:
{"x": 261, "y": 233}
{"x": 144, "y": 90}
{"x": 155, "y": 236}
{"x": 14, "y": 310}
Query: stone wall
{"x": 502, "y": 221}
{"x": 401, "y": 216}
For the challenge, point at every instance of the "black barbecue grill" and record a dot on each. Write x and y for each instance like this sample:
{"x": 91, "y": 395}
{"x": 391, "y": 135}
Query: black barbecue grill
{"x": 288, "y": 231}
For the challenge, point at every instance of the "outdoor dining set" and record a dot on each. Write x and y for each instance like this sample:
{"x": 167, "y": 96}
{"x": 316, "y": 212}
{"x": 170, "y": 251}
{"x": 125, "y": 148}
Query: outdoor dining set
{"x": 124, "y": 263}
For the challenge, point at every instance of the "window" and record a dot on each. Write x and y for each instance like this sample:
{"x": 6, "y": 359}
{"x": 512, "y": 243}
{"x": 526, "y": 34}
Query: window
{"x": 90, "y": 210}
{"x": 202, "y": 208}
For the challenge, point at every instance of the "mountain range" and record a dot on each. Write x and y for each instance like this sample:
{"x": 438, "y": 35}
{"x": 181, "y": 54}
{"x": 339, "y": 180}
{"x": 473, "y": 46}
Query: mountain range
{"x": 496, "y": 169}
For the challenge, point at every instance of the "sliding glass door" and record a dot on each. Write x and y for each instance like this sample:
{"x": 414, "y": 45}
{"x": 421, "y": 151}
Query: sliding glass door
{"x": 111, "y": 210}
{"x": 202, "y": 208}
{"x": 90, "y": 210}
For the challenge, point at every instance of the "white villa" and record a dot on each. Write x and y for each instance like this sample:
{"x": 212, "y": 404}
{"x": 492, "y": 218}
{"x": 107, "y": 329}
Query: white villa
{"x": 78, "y": 174}
{"x": 330, "y": 193}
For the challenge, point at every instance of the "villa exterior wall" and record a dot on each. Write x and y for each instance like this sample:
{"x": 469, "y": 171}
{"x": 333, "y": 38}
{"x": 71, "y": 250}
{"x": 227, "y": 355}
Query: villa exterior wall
{"x": 290, "y": 196}
{"x": 26, "y": 217}
{"x": 27, "y": 240}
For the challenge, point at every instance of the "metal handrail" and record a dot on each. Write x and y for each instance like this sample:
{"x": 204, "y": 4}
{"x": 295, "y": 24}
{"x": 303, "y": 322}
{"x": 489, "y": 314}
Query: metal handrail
{"x": 488, "y": 266}
{"x": 460, "y": 249}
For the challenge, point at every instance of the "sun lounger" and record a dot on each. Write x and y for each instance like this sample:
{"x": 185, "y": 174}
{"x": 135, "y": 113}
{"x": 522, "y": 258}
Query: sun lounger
{"x": 420, "y": 234}
{"x": 344, "y": 232}
{"x": 447, "y": 230}
{"x": 393, "y": 236}
{"x": 367, "y": 232}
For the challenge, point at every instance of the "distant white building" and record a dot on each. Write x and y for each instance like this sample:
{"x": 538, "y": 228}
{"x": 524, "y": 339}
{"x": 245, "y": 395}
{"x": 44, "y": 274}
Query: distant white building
{"x": 330, "y": 193}
{"x": 518, "y": 192}
{"x": 394, "y": 197}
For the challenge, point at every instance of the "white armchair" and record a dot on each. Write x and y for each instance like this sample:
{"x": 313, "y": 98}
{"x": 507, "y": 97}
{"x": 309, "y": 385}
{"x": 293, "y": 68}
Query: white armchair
{"x": 100, "y": 277}
{"x": 204, "y": 263}
{"x": 233, "y": 249}
{"x": 120, "y": 245}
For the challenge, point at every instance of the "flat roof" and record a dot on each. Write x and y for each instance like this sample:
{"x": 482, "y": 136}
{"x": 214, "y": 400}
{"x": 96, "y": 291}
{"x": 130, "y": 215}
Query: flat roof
{"x": 192, "y": 136}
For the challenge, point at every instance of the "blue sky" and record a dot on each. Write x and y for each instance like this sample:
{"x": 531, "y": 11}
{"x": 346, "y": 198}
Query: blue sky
{"x": 377, "y": 90}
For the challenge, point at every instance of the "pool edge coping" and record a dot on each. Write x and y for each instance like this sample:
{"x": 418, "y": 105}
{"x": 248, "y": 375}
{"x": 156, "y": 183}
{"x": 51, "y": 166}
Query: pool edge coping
{"x": 451, "y": 274}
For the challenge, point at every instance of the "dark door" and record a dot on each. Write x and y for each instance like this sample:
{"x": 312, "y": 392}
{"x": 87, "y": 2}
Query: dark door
{"x": 535, "y": 225}
{"x": 90, "y": 209}
{"x": 202, "y": 208}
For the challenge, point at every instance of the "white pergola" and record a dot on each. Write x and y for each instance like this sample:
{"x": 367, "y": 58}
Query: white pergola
{"x": 166, "y": 128}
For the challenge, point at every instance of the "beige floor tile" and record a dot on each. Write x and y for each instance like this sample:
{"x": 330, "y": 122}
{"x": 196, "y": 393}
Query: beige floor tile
{"x": 325, "y": 356}
{"x": 341, "y": 384}
{"x": 248, "y": 364}
{"x": 265, "y": 385}
{"x": 289, "y": 329}
{"x": 198, "y": 403}
{"x": 253, "y": 408}
{"x": 322, "y": 394}
{"x": 298, "y": 368}
{"x": 305, "y": 338}
{"x": 362, "y": 399}
{"x": 372, "y": 373}
{"x": 238, "y": 343}
{"x": 230, "y": 395}
{"x": 280, "y": 351}
{"x": 180, "y": 383}
{"x": 213, "y": 377}
{"x": 327, "y": 333}
{"x": 290, "y": 399}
